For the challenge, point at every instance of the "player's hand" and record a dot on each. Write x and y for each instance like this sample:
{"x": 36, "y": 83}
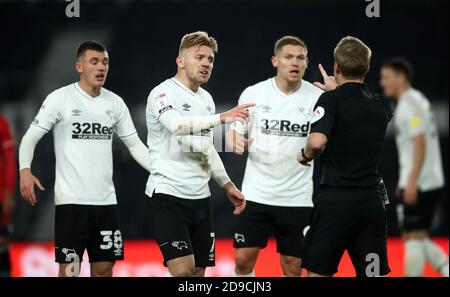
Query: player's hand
{"x": 241, "y": 143}
{"x": 27, "y": 183}
{"x": 329, "y": 82}
{"x": 7, "y": 206}
{"x": 239, "y": 113}
{"x": 302, "y": 160}
{"x": 236, "y": 198}
{"x": 410, "y": 194}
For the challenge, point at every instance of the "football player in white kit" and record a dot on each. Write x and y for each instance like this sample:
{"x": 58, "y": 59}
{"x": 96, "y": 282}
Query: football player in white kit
{"x": 278, "y": 191}
{"x": 421, "y": 179}
{"x": 180, "y": 121}
{"x": 83, "y": 117}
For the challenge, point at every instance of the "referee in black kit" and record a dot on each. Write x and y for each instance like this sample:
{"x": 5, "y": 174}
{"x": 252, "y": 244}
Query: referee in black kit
{"x": 348, "y": 128}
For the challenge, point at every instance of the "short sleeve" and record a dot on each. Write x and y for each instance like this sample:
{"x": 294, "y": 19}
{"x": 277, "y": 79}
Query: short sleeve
{"x": 414, "y": 119}
{"x": 124, "y": 126}
{"x": 324, "y": 114}
{"x": 49, "y": 114}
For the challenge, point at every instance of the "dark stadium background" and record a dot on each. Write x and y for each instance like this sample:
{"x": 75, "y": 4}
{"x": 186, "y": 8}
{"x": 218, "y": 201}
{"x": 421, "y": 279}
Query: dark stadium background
{"x": 37, "y": 50}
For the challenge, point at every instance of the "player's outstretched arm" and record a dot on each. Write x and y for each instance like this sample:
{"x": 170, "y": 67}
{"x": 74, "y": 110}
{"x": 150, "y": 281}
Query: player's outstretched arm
{"x": 138, "y": 150}
{"x": 26, "y": 152}
{"x": 179, "y": 125}
{"x": 220, "y": 175}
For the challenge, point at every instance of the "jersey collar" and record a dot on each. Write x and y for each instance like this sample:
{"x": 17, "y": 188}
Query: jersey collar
{"x": 274, "y": 85}
{"x": 405, "y": 93}
{"x": 353, "y": 84}
{"x": 84, "y": 94}
{"x": 178, "y": 83}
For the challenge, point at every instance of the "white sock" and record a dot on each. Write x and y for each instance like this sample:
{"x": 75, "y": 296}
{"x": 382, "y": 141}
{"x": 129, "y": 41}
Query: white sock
{"x": 251, "y": 274}
{"x": 437, "y": 258}
{"x": 168, "y": 274}
{"x": 414, "y": 257}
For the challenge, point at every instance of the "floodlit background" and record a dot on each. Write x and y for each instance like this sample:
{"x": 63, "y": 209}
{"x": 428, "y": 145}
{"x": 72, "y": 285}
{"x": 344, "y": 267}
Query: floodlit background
{"x": 37, "y": 50}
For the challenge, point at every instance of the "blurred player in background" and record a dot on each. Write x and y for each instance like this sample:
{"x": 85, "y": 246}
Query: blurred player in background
{"x": 7, "y": 189}
{"x": 421, "y": 179}
{"x": 83, "y": 117}
{"x": 180, "y": 121}
{"x": 348, "y": 131}
{"x": 278, "y": 190}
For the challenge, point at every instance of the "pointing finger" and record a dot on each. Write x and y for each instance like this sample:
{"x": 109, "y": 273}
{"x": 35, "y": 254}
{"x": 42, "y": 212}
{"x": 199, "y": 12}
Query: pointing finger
{"x": 323, "y": 72}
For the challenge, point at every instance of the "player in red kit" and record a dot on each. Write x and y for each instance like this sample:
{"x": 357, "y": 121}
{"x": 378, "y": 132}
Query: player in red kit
{"x": 7, "y": 188}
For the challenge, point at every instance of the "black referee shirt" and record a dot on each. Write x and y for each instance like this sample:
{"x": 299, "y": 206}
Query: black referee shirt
{"x": 354, "y": 119}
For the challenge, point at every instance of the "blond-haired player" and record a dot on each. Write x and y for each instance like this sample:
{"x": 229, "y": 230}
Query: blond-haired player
{"x": 180, "y": 121}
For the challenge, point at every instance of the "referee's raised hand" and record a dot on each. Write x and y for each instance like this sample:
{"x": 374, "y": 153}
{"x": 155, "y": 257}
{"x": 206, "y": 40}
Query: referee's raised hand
{"x": 329, "y": 82}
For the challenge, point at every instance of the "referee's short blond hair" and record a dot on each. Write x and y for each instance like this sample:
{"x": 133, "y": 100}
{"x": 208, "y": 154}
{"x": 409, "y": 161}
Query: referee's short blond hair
{"x": 352, "y": 56}
{"x": 198, "y": 38}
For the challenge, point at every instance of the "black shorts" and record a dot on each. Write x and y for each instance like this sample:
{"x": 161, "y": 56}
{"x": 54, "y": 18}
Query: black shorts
{"x": 91, "y": 227}
{"x": 420, "y": 215}
{"x": 254, "y": 226}
{"x": 352, "y": 220}
{"x": 183, "y": 227}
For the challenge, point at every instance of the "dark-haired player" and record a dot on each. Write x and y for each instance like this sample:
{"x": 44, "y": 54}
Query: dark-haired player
{"x": 83, "y": 117}
{"x": 421, "y": 179}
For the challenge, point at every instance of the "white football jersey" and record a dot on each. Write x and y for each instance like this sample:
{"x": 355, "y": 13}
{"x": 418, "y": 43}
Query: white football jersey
{"x": 278, "y": 127}
{"x": 175, "y": 170}
{"x": 83, "y": 129}
{"x": 413, "y": 116}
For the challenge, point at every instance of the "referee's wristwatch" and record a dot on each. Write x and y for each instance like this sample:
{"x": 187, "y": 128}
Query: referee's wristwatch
{"x": 305, "y": 157}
